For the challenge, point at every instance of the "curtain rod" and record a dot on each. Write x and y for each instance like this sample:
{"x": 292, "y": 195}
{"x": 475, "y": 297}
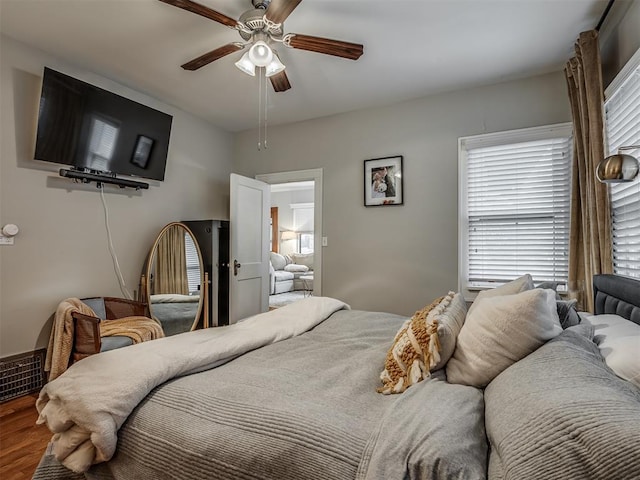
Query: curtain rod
{"x": 604, "y": 15}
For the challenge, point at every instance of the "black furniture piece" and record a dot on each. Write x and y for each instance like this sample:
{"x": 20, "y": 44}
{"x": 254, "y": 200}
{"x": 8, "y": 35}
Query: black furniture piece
{"x": 618, "y": 295}
{"x": 213, "y": 239}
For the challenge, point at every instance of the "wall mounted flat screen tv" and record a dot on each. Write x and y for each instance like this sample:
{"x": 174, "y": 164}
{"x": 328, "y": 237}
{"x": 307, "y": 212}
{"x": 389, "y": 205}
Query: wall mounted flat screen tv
{"x": 97, "y": 131}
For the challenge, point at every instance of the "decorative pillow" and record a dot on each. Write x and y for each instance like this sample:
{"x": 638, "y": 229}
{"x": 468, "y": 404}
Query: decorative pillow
{"x": 619, "y": 342}
{"x": 278, "y": 261}
{"x": 499, "y": 331}
{"x": 562, "y": 414}
{"x": 303, "y": 259}
{"x": 449, "y": 315}
{"x": 567, "y": 313}
{"x": 414, "y": 351}
{"x": 518, "y": 285}
{"x": 551, "y": 286}
{"x": 295, "y": 268}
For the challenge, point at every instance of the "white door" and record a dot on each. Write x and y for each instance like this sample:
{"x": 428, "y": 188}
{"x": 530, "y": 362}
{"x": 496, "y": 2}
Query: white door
{"x": 249, "y": 247}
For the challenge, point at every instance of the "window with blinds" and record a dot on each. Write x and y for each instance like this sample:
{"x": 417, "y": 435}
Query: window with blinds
{"x": 622, "y": 111}
{"x": 193, "y": 264}
{"x": 515, "y": 206}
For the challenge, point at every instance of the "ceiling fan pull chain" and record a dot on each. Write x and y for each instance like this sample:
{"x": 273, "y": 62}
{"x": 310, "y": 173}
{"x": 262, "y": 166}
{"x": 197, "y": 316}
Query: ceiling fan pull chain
{"x": 260, "y": 109}
{"x": 266, "y": 104}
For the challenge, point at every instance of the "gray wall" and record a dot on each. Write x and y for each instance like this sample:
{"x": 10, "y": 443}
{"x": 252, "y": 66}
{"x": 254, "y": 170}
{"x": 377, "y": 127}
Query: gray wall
{"x": 398, "y": 258}
{"x": 619, "y": 37}
{"x": 62, "y": 250}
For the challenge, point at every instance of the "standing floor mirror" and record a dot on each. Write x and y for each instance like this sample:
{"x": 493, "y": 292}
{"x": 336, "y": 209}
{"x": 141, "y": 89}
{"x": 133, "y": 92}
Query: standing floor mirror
{"x": 173, "y": 280}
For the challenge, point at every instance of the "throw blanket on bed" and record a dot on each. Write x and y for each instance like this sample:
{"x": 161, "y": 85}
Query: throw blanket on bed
{"x": 61, "y": 338}
{"x": 138, "y": 329}
{"x": 87, "y": 405}
{"x": 299, "y": 410}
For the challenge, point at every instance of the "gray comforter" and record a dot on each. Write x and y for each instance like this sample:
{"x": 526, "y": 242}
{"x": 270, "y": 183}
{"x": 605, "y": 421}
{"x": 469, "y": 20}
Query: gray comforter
{"x": 561, "y": 413}
{"x": 303, "y": 408}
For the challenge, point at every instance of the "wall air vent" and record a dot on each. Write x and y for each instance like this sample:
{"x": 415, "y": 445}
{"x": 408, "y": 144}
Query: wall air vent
{"x": 21, "y": 374}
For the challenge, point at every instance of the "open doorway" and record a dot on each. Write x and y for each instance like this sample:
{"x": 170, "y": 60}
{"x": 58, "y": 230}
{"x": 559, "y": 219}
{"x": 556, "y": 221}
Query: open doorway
{"x": 296, "y": 235}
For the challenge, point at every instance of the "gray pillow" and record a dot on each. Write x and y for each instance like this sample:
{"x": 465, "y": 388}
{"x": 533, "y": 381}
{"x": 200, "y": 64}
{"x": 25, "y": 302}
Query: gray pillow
{"x": 551, "y": 286}
{"x": 558, "y": 407}
{"x": 567, "y": 313}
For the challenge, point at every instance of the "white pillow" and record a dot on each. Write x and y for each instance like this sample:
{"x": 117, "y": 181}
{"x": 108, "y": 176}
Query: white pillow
{"x": 303, "y": 259}
{"x": 499, "y": 331}
{"x": 294, "y": 267}
{"x": 450, "y": 315}
{"x": 619, "y": 342}
{"x": 278, "y": 261}
{"x": 518, "y": 285}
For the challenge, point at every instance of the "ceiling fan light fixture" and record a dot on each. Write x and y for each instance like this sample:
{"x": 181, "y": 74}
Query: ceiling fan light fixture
{"x": 246, "y": 65}
{"x": 260, "y": 54}
{"x": 275, "y": 66}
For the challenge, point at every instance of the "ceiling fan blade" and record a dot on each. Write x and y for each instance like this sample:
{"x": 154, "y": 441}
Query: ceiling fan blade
{"x": 337, "y": 48}
{"x": 280, "y": 82}
{"x": 211, "y": 56}
{"x": 204, "y": 11}
{"x": 278, "y": 10}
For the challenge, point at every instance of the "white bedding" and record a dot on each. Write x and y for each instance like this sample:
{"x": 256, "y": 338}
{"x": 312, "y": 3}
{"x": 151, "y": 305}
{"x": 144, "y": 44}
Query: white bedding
{"x": 87, "y": 405}
{"x": 174, "y": 298}
{"x": 618, "y": 340}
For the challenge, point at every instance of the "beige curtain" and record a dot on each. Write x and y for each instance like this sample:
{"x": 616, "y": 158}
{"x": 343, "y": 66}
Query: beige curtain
{"x": 590, "y": 243}
{"x": 171, "y": 263}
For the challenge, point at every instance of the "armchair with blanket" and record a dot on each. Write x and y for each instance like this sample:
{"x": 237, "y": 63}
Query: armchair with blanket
{"x": 93, "y": 325}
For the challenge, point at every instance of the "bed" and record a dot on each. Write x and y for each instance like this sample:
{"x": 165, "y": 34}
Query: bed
{"x": 300, "y": 400}
{"x": 176, "y": 313}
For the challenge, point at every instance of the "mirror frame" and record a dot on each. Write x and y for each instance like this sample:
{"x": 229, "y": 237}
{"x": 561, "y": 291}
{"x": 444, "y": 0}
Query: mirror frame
{"x": 145, "y": 285}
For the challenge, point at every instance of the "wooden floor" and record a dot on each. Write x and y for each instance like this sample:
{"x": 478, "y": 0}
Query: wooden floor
{"x": 22, "y": 442}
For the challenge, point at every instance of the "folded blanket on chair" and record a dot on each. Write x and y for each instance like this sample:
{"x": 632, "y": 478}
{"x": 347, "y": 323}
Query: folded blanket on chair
{"x": 138, "y": 329}
{"x": 61, "y": 338}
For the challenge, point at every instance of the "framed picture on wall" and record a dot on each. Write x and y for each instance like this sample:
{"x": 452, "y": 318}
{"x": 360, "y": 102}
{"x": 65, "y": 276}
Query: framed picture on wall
{"x": 383, "y": 181}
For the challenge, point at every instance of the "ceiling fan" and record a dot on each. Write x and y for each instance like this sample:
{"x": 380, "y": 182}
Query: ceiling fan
{"x": 261, "y": 27}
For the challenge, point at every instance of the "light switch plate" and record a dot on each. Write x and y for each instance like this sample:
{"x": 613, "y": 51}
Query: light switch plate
{"x": 324, "y": 241}
{"x": 6, "y": 240}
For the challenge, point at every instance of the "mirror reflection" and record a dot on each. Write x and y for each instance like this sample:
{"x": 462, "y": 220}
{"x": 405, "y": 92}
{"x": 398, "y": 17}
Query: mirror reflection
{"x": 174, "y": 276}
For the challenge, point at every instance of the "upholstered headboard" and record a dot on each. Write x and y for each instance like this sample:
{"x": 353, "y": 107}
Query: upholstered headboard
{"x": 616, "y": 294}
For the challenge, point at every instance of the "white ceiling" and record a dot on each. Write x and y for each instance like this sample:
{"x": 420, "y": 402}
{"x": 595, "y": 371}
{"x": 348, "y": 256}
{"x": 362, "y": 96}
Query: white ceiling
{"x": 412, "y": 48}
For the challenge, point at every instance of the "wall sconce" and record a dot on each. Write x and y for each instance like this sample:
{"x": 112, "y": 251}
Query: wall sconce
{"x": 288, "y": 235}
{"x": 619, "y": 167}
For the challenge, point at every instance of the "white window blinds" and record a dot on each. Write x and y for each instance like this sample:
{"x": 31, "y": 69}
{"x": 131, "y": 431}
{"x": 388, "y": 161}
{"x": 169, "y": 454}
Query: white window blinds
{"x": 193, "y": 264}
{"x": 622, "y": 110}
{"x": 517, "y": 202}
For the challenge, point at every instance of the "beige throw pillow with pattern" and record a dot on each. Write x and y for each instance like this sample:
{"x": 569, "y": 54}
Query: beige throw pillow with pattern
{"x": 413, "y": 353}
